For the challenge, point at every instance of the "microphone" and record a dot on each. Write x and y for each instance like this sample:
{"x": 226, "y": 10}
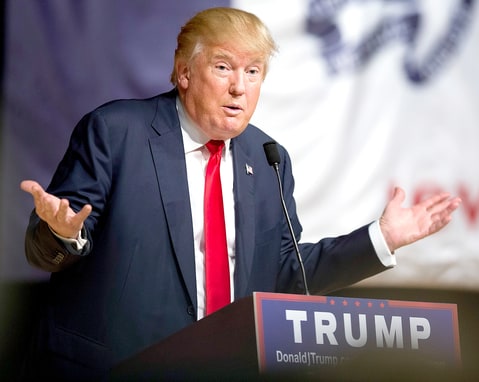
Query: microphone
{"x": 272, "y": 155}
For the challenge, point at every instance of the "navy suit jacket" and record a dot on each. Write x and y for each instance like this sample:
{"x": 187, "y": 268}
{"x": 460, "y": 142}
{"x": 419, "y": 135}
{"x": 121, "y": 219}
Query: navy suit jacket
{"x": 135, "y": 282}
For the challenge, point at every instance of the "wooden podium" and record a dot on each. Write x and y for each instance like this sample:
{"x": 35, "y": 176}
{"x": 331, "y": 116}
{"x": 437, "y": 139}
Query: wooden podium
{"x": 270, "y": 336}
{"x": 220, "y": 345}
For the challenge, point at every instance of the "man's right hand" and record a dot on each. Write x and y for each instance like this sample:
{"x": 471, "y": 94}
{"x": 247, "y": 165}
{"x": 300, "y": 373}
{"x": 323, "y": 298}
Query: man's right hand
{"x": 56, "y": 212}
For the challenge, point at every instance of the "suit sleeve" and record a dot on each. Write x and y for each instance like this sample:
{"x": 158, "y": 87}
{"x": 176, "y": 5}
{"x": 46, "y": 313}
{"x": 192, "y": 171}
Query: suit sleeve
{"x": 83, "y": 176}
{"x": 331, "y": 263}
{"x": 45, "y": 251}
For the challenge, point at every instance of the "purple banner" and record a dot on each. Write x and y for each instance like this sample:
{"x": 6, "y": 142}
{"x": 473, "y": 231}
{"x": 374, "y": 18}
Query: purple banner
{"x": 62, "y": 59}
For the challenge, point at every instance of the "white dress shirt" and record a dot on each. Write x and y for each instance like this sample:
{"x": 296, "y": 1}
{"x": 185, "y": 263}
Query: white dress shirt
{"x": 197, "y": 155}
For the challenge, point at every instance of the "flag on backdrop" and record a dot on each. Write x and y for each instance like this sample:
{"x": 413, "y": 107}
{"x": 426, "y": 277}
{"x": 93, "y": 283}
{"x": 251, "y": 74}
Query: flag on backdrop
{"x": 365, "y": 95}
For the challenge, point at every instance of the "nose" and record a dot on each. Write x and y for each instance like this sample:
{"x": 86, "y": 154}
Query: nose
{"x": 237, "y": 86}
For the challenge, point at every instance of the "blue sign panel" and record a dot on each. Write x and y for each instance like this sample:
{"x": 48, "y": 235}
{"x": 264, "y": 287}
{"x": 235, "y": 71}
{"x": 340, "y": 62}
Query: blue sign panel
{"x": 296, "y": 331}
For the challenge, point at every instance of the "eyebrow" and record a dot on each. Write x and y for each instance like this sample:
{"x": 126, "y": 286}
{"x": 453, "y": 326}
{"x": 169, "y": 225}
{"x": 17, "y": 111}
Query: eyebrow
{"x": 222, "y": 54}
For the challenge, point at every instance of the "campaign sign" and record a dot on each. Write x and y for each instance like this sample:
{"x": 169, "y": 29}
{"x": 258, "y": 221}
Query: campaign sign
{"x": 299, "y": 331}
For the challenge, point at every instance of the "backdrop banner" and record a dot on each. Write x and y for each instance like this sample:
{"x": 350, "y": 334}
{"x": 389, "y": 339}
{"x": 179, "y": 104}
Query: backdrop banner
{"x": 365, "y": 95}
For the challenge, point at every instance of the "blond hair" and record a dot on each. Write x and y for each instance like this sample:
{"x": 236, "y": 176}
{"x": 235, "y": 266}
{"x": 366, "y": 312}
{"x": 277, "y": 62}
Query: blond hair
{"x": 217, "y": 26}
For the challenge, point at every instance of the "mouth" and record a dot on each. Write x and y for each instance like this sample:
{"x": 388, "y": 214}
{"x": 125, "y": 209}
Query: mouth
{"x": 233, "y": 109}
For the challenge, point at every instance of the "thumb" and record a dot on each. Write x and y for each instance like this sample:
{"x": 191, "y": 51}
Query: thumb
{"x": 398, "y": 196}
{"x": 31, "y": 187}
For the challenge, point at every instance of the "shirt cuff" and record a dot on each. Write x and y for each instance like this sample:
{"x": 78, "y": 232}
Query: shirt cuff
{"x": 380, "y": 246}
{"x": 76, "y": 245}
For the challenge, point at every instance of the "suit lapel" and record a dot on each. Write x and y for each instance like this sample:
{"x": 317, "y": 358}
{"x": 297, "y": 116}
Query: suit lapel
{"x": 244, "y": 183}
{"x": 168, "y": 155}
{"x": 166, "y": 146}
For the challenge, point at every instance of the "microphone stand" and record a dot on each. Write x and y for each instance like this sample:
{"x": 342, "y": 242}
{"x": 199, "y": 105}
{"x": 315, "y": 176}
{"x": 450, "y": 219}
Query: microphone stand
{"x": 273, "y": 160}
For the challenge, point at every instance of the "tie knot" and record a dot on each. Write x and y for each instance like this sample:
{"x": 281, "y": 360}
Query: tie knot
{"x": 214, "y": 146}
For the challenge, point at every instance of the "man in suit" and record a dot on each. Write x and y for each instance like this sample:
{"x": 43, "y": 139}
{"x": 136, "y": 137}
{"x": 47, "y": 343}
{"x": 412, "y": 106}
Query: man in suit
{"x": 121, "y": 224}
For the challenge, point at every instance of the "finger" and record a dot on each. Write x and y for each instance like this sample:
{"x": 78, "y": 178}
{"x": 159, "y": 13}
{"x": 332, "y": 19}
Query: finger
{"x": 455, "y": 203}
{"x": 81, "y": 216}
{"x": 47, "y": 203}
{"x": 435, "y": 200}
{"x": 441, "y": 218}
{"x": 32, "y": 187}
{"x": 63, "y": 209}
{"x": 444, "y": 205}
{"x": 449, "y": 208}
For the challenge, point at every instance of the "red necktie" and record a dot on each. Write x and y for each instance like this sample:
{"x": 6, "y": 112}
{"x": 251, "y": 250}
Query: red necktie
{"x": 216, "y": 253}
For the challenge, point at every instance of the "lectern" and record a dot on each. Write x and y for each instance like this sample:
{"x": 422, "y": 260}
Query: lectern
{"x": 221, "y": 344}
{"x": 282, "y": 336}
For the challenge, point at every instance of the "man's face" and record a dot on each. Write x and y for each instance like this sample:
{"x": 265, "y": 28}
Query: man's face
{"x": 220, "y": 90}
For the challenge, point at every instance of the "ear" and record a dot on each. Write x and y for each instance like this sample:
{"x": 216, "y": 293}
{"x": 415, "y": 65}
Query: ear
{"x": 183, "y": 73}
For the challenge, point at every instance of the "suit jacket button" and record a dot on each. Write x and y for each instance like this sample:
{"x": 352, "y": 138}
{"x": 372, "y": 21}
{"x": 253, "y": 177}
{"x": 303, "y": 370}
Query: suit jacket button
{"x": 58, "y": 258}
{"x": 191, "y": 310}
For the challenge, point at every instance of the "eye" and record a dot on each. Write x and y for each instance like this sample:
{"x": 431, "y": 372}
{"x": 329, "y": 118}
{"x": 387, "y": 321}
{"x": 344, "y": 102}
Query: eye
{"x": 221, "y": 67}
{"x": 254, "y": 73}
